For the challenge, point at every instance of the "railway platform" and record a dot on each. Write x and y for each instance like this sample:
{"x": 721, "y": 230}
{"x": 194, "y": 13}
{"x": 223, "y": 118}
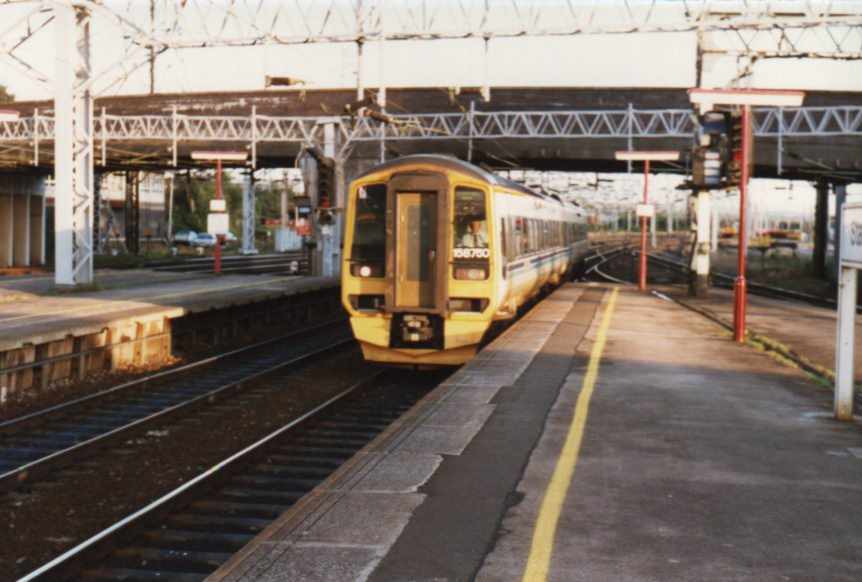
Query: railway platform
{"x": 803, "y": 332}
{"x": 609, "y": 435}
{"x": 135, "y": 318}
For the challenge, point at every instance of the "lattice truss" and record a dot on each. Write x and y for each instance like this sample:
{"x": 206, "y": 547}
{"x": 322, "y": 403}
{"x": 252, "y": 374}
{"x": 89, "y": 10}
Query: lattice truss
{"x": 769, "y": 122}
{"x": 813, "y": 122}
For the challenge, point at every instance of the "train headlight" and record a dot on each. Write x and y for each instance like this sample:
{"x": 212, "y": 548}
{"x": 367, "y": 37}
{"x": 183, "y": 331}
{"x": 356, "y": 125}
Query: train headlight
{"x": 366, "y": 270}
{"x": 471, "y": 273}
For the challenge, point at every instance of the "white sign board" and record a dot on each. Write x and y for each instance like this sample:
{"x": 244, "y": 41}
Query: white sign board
{"x": 218, "y": 205}
{"x": 851, "y": 261}
{"x": 217, "y": 223}
{"x": 645, "y": 211}
{"x": 851, "y": 235}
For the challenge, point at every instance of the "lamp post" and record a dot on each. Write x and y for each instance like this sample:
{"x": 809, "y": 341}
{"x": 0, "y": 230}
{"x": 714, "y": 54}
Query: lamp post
{"x": 217, "y": 220}
{"x": 706, "y": 100}
{"x": 645, "y": 211}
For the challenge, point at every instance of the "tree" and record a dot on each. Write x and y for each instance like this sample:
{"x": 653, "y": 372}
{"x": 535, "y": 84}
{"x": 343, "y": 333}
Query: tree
{"x": 5, "y": 95}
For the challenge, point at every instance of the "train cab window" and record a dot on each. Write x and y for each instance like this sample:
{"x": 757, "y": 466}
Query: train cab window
{"x": 369, "y": 231}
{"x": 470, "y": 238}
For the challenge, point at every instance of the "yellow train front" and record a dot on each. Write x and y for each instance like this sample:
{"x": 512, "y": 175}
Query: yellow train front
{"x": 437, "y": 249}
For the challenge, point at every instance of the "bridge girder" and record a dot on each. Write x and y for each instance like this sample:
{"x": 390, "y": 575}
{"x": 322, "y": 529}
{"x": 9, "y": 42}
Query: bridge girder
{"x": 823, "y": 138}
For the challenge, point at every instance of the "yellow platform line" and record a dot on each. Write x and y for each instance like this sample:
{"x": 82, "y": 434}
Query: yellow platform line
{"x": 542, "y": 546}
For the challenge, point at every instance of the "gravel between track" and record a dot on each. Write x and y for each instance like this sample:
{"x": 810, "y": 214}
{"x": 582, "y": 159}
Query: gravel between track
{"x": 53, "y": 517}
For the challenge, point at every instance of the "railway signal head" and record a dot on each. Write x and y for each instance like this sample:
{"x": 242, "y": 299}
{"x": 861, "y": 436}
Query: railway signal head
{"x": 734, "y": 153}
{"x": 709, "y": 156}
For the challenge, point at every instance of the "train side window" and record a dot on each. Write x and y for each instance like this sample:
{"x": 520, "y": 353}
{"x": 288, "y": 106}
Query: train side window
{"x": 504, "y": 238}
{"x": 534, "y": 235}
{"x": 369, "y": 229}
{"x": 512, "y": 227}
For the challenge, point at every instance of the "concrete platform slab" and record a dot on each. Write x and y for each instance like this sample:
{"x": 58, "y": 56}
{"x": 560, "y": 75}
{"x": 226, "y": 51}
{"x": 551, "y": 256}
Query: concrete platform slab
{"x": 393, "y": 473}
{"x": 131, "y": 321}
{"x": 805, "y": 330}
{"x": 699, "y": 459}
{"x": 46, "y": 317}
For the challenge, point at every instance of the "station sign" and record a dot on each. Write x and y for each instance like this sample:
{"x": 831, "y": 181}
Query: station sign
{"x": 845, "y": 345}
{"x": 218, "y": 205}
{"x": 645, "y": 211}
{"x": 851, "y": 236}
{"x": 217, "y": 223}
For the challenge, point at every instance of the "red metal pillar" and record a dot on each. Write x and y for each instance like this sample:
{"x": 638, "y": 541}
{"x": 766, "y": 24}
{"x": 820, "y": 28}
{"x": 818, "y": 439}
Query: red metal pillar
{"x": 219, "y": 238}
{"x": 642, "y": 274}
{"x": 739, "y": 288}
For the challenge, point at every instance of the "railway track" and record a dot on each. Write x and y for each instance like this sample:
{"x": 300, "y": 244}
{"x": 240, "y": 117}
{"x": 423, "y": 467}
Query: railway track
{"x": 726, "y": 281}
{"x": 188, "y": 533}
{"x": 720, "y": 280}
{"x": 35, "y": 445}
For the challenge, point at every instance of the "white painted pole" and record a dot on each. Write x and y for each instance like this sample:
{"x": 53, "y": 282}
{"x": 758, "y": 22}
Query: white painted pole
{"x": 669, "y": 224}
{"x": 713, "y": 232}
{"x": 248, "y": 215}
{"x": 332, "y": 240}
{"x": 844, "y": 345}
{"x": 170, "y": 185}
{"x": 64, "y": 89}
{"x": 652, "y": 222}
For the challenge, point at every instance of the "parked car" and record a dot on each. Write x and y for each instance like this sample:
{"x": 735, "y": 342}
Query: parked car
{"x": 185, "y": 237}
{"x": 204, "y": 239}
{"x": 230, "y": 237}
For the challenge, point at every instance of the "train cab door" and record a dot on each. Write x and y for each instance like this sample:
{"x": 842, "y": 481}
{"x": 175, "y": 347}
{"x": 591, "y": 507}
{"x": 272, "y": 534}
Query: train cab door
{"x": 416, "y": 252}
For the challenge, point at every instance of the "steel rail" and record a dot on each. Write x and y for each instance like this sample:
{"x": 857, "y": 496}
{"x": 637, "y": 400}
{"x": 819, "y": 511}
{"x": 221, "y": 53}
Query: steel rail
{"x": 755, "y": 288}
{"x": 12, "y": 478}
{"x": 12, "y": 422}
{"x": 188, "y": 485}
{"x": 98, "y": 546}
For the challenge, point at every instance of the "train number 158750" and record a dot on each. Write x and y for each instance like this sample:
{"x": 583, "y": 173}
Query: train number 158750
{"x": 471, "y": 253}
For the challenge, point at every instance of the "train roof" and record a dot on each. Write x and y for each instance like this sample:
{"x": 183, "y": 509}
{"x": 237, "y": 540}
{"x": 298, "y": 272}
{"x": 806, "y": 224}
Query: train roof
{"x": 457, "y": 165}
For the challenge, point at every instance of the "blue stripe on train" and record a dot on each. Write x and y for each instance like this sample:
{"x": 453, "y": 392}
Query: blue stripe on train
{"x": 537, "y": 261}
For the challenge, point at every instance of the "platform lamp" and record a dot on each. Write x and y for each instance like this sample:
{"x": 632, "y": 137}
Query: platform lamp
{"x": 217, "y": 219}
{"x": 644, "y": 210}
{"x": 706, "y": 100}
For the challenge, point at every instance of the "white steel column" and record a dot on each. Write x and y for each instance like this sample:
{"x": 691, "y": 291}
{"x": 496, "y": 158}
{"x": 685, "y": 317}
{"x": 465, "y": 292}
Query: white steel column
{"x": 7, "y": 228}
{"x": 309, "y": 166}
{"x": 669, "y": 224}
{"x": 840, "y": 199}
{"x": 21, "y": 242}
{"x": 331, "y": 234}
{"x": 713, "y": 232}
{"x": 700, "y": 260}
{"x": 248, "y": 216}
{"x": 73, "y": 165}
{"x": 652, "y": 228}
{"x": 844, "y": 346}
{"x": 37, "y": 224}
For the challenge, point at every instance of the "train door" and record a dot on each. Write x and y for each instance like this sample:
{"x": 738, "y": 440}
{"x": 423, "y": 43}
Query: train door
{"x": 416, "y": 249}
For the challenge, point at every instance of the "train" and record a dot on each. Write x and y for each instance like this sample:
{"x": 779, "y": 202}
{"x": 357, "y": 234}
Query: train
{"x": 437, "y": 251}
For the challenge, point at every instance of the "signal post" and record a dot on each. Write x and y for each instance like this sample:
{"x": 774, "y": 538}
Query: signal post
{"x": 645, "y": 211}
{"x": 217, "y": 220}
{"x": 738, "y": 162}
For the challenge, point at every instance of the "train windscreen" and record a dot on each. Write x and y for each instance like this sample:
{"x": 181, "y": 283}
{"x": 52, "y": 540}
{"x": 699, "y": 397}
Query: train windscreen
{"x": 470, "y": 238}
{"x": 369, "y": 232}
